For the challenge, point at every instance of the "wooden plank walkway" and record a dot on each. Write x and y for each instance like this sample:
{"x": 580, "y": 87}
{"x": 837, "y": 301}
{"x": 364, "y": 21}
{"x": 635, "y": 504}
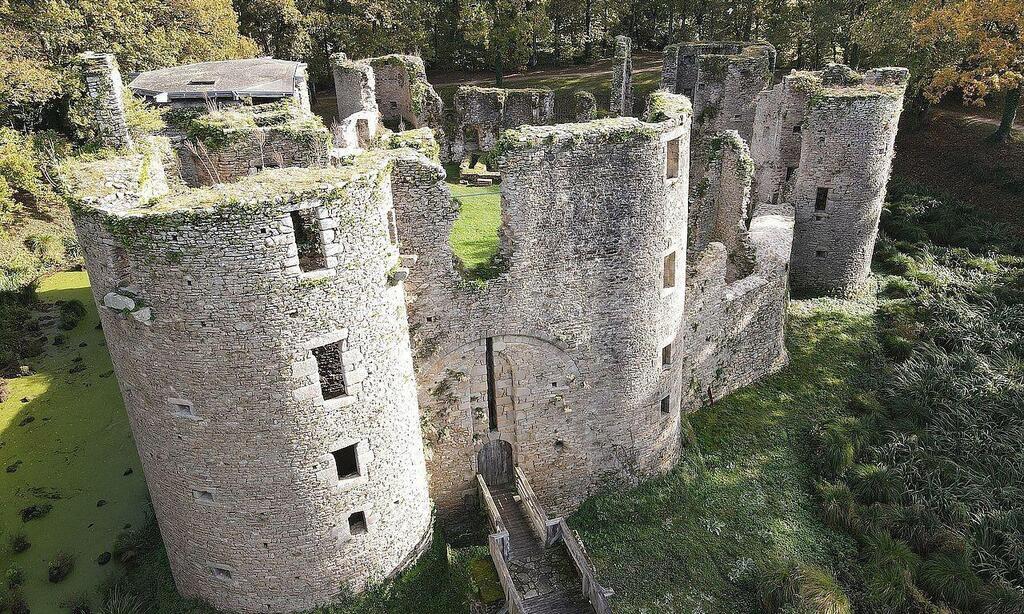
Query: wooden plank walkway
{"x": 544, "y": 576}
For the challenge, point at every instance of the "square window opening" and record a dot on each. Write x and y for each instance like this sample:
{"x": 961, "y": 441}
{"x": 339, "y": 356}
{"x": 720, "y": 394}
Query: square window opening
{"x": 797, "y": 128}
{"x": 347, "y": 461}
{"x": 307, "y": 240}
{"x": 821, "y": 253}
{"x": 821, "y": 199}
{"x": 357, "y": 523}
{"x": 666, "y": 356}
{"x": 331, "y": 370}
{"x": 672, "y": 159}
{"x": 669, "y": 271}
{"x": 666, "y": 404}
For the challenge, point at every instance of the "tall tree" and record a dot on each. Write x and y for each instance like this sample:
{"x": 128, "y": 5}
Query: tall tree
{"x": 978, "y": 48}
{"x": 275, "y": 25}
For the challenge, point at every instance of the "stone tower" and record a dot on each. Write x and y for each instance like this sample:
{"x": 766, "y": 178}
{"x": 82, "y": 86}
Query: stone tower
{"x": 260, "y": 341}
{"x": 621, "y": 102}
{"x": 846, "y": 125}
{"x": 105, "y": 89}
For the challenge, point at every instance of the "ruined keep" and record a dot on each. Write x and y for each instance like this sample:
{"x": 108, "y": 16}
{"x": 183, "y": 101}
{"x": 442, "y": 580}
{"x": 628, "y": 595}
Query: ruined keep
{"x": 621, "y": 101}
{"x": 482, "y": 113}
{"x": 824, "y": 142}
{"x": 311, "y": 379}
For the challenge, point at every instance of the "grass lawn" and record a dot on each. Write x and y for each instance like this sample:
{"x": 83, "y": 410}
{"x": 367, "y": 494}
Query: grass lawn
{"x": 742, "y": 496}
{"x": 475, "y": 233}
{"x": 68, "y": 446}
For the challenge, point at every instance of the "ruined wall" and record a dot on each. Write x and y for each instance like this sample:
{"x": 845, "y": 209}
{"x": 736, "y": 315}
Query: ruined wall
{"x": 221, "y": 380}
{"x": 578, "y": 320}
{"x": 405, "y": 99}
{"x": 483, "y": 112}
{"x": 846, "y": 158}
{"x": 727, "y": 86}
{"x": 621, "y": 101}
{"x": 358, "y": 115}
{"x": 105, "y": 90}
{"x": 778, "y": 136}
{"x": 584, "y": 106}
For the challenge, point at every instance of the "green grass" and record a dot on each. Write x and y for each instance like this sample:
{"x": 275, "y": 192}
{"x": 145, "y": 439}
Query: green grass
{"x": 72, "y": 455}
{"x": 741, "y": 500}
{"x": 474, "y": 235}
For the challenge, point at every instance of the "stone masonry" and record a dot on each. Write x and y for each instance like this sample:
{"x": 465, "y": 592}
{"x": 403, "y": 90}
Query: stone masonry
{"x": 482, "y": 113}
{"x": 105, "y": 90}
{"x": 621, "y": 101}
{"x": 308, "y": 373}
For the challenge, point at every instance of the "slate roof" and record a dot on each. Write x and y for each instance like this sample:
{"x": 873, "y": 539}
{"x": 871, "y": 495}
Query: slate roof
{"x": 256, "y": 77}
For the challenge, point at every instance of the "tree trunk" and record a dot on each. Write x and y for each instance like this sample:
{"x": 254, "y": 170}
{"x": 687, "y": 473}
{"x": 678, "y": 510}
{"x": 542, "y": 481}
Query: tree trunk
{"x": 588, "y": 34}
{"x": 499, "y": 68}
{"x": 1010, "y": 106}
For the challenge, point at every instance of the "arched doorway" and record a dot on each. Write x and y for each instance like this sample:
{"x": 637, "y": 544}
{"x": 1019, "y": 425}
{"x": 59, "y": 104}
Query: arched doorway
{"x": 495, "y": 463}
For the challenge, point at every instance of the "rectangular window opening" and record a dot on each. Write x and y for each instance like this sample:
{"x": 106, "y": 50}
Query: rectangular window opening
{"x": 357, "y": 523}
{"x": 221, "y": 573}
{"x": 672, "y": 159}
{"x": 666, "y": 404}
{"x": 797, "y": 128}
{"x": 202, "y": 82}
{"x": 669, "y": 271}
{"x": 821, "y": 253}
{"x": 307, "y": 240}
{"x": 790, "y": 170}
{"x": 331, "y": 370}
{"x": 203, "y": 496}
{"x": 666, "y": 356}
{"x": 347, "y": 461}
{"x": 821, "y": 199}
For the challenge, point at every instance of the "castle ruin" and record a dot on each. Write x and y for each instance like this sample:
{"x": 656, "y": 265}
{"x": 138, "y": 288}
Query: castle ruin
{"x": 311, "y": 380}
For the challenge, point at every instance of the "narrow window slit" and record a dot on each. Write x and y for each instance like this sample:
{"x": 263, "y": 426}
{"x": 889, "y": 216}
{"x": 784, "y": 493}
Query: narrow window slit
{"x": 492, "y": 402}
{"x": 331, "y": 370}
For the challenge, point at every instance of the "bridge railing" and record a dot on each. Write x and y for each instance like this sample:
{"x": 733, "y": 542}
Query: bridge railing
{"x": 546, "y": 528}
{"x": 597, "y": 595}
{"x": 500, "y": 547}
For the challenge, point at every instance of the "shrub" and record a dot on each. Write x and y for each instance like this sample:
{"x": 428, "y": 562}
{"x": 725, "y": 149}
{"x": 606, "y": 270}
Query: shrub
{"x": 899, "y": 287}
{"x": 838, "y": 505}
{"x": 14, "y": 577}
{"x": 801, "y": 587}
{"x": 889, "y": 572}
{"x": 876, "y": 484}
{"x": 35, "y": 511}
{"x": 863, "y": 403}
{"x": 71, "y": 313}
{"x": 78, "y": 604}
{"x": 950, "y": 577}
{"x": 895, "y": 347}
{"x": 998, "y": 599}
{"x": 47, "y": 248}
{"x": 14, "y": 602}
{"x": 18, "y": 542}
{"x": 60, "y": 567}
{"x": 121, "y": 600}
{"x": 837, "y": 443}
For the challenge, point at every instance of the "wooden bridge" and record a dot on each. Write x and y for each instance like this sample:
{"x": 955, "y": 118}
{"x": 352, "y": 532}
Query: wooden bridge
{"x": 541, "y": 563}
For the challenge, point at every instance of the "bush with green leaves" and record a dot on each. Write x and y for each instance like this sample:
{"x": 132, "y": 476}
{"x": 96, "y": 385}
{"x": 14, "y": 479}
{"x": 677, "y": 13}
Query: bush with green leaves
{"x": 71, "y": 313}
{"x": 800, "y": 587}
{"x": 14, "y": 577}
{"x": 60, "y": 567}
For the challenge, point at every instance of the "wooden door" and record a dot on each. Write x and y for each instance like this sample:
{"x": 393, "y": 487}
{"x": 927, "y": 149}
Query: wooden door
{"x": 495, "y": 462}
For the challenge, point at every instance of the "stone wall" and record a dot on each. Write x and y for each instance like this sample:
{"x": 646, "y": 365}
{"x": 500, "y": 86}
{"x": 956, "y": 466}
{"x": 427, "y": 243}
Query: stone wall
{"x": 104, "y": 88}
{"x": 405, "y": 99}
{"x": 621, "y": 101}
{"x": 847, "y": 126}
{"x": 221, "y": 382}
{"x": 584, "y": 106}
{"x": 358, "y": 115}
{"x": 578, "y": 322}
{"x": 483, "y": 112}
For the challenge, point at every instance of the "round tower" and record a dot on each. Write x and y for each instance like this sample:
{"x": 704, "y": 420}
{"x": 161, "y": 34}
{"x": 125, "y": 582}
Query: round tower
{"x": 260, "y": 341}
{"x": 846, "y": 156}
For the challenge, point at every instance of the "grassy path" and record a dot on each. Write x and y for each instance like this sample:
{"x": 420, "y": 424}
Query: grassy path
{"x": 66, "y": 437}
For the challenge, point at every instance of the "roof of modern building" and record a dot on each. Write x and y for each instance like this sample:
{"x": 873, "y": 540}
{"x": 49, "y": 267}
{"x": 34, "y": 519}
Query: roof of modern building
{"x": 256, "y": 77}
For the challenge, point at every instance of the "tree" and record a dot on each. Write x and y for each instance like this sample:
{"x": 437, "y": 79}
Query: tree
{"x": 275, "y": 25}
{"x": 978, "y": 49}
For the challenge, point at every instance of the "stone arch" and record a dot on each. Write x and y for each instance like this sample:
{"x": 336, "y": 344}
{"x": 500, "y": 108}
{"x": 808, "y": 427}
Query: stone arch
{"x": 526, "y": 398}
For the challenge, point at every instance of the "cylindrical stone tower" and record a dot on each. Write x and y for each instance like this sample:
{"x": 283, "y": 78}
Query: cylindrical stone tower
{"x": 105, "y": 90}
{"x": 846, "y": 157}
{"x": 261, "y": 345}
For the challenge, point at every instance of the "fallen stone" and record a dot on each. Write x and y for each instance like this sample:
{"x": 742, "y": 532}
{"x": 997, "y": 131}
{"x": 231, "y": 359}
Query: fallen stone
{"x": 115, "y": 301}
